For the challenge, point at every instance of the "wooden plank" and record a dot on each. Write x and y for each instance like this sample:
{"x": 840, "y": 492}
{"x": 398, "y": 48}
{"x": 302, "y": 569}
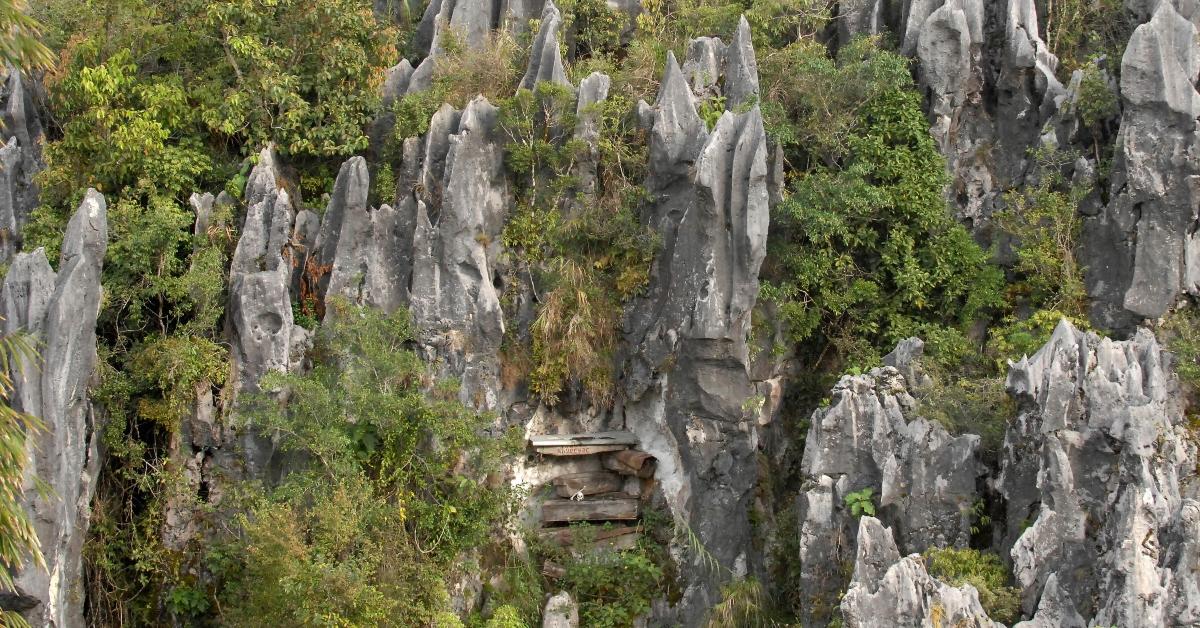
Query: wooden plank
{"x": 565, "y": 537}
{"x": 621, "y": 508}
{"x": 586, "y": 483}
{"x": 631, "y": 462}
{"x": 579, "y": 450}
{"x": 597, "y": 438}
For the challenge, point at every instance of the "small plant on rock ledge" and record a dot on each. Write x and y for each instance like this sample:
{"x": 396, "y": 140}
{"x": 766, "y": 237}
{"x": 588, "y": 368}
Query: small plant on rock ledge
{"x": 861, "y": 502}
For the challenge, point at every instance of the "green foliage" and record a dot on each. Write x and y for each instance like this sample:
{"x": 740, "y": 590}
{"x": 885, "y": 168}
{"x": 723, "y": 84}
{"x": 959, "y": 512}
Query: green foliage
{"x": 861, "y": 502}
{"x": 969, "y": 405}
{"x": 710, "y": 110}
{"x": 982, "y": 570}
{"x": 1181, "y": 334}
{"x": 459, "y": 75}
{"x": 864, "y": 251}
{"x": 591, "y": 28}
{"x": 614, "y": 588}
{"x": 586, "y": 253}
{"x": 394, "y": 497}
{"x": 1098, "y": 102}
{"x": 20, "y": 46}
{"x": 505, "y": 617}
{"x": 1045, "y": 224}
{"x": 304, "y": 75}
{"x": 1077, "y": 30}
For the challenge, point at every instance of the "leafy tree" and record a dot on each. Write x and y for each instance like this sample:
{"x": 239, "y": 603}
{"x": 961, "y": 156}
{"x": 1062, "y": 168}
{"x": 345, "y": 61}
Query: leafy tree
{"x": 302, "y": 74}
{"x": 20, "y": 45}
{"x": 864, "y": 251}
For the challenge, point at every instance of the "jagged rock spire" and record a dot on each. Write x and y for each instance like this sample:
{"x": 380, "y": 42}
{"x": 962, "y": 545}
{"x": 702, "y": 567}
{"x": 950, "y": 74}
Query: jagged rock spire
{"x": 888, "y": 590}
{"x": 59, "y": 310}
{"x": 545, "y": 62}
{"x": 1139, "y": 252}
{"x": 741, "y": 68}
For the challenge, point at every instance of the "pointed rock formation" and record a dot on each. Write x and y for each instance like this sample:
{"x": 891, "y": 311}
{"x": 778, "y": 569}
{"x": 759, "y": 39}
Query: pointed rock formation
{"x": 260, "y": 278}
{"x": 545, "y": 61}
{"x": 870, "y": 438}
{"x": 1102, "y": 517}
{"x": 888, "y": 590}
{"x": 59, "y": 311}
{"x": 741, "y": 69}
{"x": 686, "y": 377}
{"x": 593, "y": 91}
{"x": 20, "y": 160}
{"x": 371, "y": 261}
{"x": 1140, "y": 252}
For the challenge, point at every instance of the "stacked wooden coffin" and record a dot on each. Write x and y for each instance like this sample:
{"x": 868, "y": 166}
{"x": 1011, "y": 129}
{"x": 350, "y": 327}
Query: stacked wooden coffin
{"x": 598, "y": 496}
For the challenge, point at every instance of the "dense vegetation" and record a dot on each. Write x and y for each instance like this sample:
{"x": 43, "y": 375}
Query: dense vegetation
{"x": 152, "y": 100}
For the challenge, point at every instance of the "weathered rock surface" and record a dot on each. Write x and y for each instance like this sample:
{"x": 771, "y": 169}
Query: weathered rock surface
{"x": 20, "y": 160}
{"x": 870, "y": 438}
{"x": 545, "y": 60}
{"x": 1099, "y": 478}
{"x": 888, "y": 590}
{"x": 59, "y": 310}
{"x": 991, "y": 87}
{"x": 561, "y": 612}
{"x": 1140, "y": 252}
{"x": 260, "y": 278}
{"x": 455, "y": 301}
{"x": 686, "y": 377}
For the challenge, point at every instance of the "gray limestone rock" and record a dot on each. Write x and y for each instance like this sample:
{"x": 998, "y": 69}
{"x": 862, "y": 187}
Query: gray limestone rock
{"x": 686, "y": 373}
{"x": 260, "y": 278}
{"x": 561, "y": 612}
{"x": 454, "y": 299}
{"x": 59, "y": 311}
{"x": 545, "y": 60}
{"x": 704, "y": 66}
{"x": 1098, "y": 474}
{"x": 1136, "y": 251}
{"x": 1054, "y": 610}
{"x": 20, "y": 160}
{"x": 593, "y": 91}
{"x": 371, "y": 261}
{"x": 869, "y": 437}
{"x": 741, "y": 69}
{"x": 888, "y": 590}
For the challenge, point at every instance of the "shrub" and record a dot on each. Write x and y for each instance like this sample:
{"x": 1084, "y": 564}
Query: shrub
{"x": 583, "y": 252}
{"x": 1180, "y": 332}
{"x": 982, "y": 570}
{"x": 970, "y": 405}
{"x": 864, "y": 251}
{"x": 393, "y": 498}
{"x": 1044, "y": 223}
{"x": 613, "y": 588}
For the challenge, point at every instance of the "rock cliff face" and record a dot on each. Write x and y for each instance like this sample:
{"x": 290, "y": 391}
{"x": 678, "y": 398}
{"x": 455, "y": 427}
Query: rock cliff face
{"x": 1099, "y": 477}
{"x": 58, "y": 311}
{"x": 1141, "y": 251}
{"x": 1096, "y": 480}
{"x": 869, "y": 437}
{"x": 20, "y": 159}
{"x": 686, "y": 379}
